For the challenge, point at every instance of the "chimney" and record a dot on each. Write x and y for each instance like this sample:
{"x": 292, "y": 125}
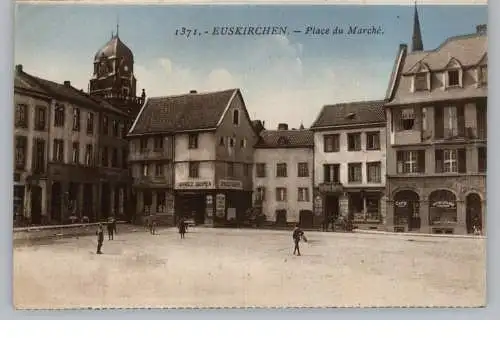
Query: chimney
{"x": 481, "y": 29}
{"x": 282, "y": 126}
{"x": 193, "y": 91}
{"x": 67, "y": 83}
{"x": 19, "y": 68}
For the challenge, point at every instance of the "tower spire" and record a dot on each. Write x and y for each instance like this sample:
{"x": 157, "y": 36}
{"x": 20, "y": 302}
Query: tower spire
{"x": 117, "y": 24}
{"x": 417, "y": 44}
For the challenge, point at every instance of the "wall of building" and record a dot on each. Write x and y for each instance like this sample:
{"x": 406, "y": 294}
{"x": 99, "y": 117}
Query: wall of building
{"x": 290, "y": 156}
{"x": 204, "y": 152}
{"x": 206, "y": 175}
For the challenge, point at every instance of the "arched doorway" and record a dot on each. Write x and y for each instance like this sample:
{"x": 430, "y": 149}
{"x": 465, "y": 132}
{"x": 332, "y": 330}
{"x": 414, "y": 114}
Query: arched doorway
{"x": 36, "y": 204}
{"x": 442, "y": 208}
{"x": 56, "y": 202}
{"x": 474, "y": 212}
{"x": 407, "y": 209}
{"x": 306, "y": 217}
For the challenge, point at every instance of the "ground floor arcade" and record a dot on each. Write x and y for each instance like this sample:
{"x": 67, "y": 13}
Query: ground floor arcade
{"x": 453, "y": 205}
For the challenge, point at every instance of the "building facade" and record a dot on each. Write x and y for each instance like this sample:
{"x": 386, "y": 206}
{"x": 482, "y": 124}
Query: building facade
{"x": 350, "y": 163}
{"x": 283, "y": 175}
{"x": 210, "y": 155}
{"x": 436, "y": 134}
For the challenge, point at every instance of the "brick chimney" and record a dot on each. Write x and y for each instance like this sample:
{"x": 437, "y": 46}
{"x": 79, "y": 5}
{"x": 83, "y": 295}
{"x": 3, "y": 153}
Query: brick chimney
{"x": 19, "y": 68}
{"x": 482, "y": 29}
{"x": 282, "y": 126}
{"x": 67, "y": 83}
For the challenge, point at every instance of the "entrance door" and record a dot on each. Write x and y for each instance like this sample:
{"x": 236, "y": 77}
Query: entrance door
{"x": 306, "y": 217}
{"x": 474, "y": 213}
{"x": 331, "y": 206}
{"x": 407, "y": 209}
{"x": 281, "y": 217}
{"x": 56, "y": 202}
{"x": 36, "y": 205}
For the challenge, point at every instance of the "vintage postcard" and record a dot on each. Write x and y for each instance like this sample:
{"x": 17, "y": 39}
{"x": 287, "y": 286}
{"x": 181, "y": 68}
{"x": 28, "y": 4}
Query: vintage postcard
{"x": 173, "y": 156}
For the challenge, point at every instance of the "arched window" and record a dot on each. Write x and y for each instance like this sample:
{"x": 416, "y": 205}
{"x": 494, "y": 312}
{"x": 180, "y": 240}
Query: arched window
{"x": 407, "y": 209}
{"x": 442, "y": 207}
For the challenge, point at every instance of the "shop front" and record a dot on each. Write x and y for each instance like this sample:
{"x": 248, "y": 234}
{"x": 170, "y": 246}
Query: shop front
{"x": 442, "y": 211}
{"x": 365, "y": 207}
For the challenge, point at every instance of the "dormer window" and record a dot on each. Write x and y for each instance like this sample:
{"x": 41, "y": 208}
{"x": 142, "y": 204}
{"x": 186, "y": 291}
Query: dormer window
{"x": 483, "y": 75}
{"x": 453, "y": 78}
{"x": 282, "y": 141}
{"x": 421, "y": 81}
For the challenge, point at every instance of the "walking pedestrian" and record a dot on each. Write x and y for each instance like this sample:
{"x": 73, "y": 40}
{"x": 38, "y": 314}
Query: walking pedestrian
{"x": 109, "y": 227}
{"x": 296, "y": 236}
{"x": 182, "y": 227}
{"x": 100, "y": 238}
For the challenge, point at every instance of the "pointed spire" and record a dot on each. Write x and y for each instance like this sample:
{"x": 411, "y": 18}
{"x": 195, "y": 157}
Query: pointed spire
{"x": 117, "y": 24}
{"x": 301, "y": 126}
{"x": 417, "y": 44}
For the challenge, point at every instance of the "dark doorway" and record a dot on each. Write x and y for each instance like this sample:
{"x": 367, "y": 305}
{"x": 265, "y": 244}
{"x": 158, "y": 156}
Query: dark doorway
{"x": 36, "y": 204}
{"x": 281, "y": 217}
{"x": 191, "y": 206}
{"x": 331, "y": 206}
{"x": 88, "y": 201}
{"x": 306, "y": 217}
{"x": 116, "y": 203}
{"x": 105, "y": 200}
{"x": 474, "y": 213}
{"x": 407, "y": 209}
{"x": 56, "y": 202}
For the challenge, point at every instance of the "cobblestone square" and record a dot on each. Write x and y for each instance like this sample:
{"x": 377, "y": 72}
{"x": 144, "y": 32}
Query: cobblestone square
{"x": 239, "y": 268}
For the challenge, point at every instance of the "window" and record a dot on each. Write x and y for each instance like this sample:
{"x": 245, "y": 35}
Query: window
{"x": 354, "y": 142}
{"x": 39, "y": 156}
{"x": 281, "y": 170}
{"x": 59, "y": 115}
{"x": 90, "y": 123}
{"x": 125, "y": 158}
{"x": 481, "y": 108}
{"x": 302, "y": 169}
{"x": 481, "y": 157}
{"x": 260, "y": 169}
{"x": 421, "y": 82}
{"x": 105, "y": 125}
{"x": 40, "y": 118}
{"x": 331, "y": 143}
{"x": 21, "y": 116}
{"x": 114, "y": 158}
{"x": 230, "y": 169}
{"x": 161, "y": 202}
{"x": 483, "y": 75}
{"x": 243, "y": 143}
{"x": 58, "y": 151}
{"x": 231, "y": 142}
{"x": 221, "y": 141}
{"x": 280, "y": 194}
{"x": 373, "y": 141}
{"x": 21, "y": 148}
{"x": 145, "y": 170}
{"x": 454, "y": 124}
{"x": 247, "y": 169}
{"x": 158, "y": 143}
{"x": 194, "y": 168}
{"x": 303, "y": 195}
{"x": 104, "y": 157}
{"x": 116, "y": 128}
{"x": 75, "y": 153}
{"x": 409, "y": 162}
{"x": 76, "y": 119}
{"x": 406, "y": 119}
{"x": 260, "y": 195}
{"x": 159, "y": 170}
{"x": 236, "y": 117}
{"x": 373, "y": 172}
{"x": 89, "y": 149}
{"x": 453, "y": 77}
{"x": 193, "y": 141}
{"x": 143, "y": 145}
{"x": 372, "y": 208}
{"x": 354, "y": 171}
{"x": 450, "y": 160}
{"x": 331, "y": 173}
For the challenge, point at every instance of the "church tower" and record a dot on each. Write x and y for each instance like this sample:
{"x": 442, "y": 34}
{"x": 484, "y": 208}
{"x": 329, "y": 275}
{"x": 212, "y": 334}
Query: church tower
{"x": 113, "y": 76}
{"x": 416, "y": 40}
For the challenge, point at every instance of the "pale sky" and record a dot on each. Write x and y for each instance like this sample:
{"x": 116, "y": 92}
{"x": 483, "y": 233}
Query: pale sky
{"x": 282, "y": 78}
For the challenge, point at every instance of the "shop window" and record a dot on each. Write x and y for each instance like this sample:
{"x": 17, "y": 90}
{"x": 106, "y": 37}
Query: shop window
{"x": 331, "y": 143}
{"x": 261, "y": 169}
{"x": 407, "y": 209}
{"x": 373, "y": 141}
{"x": 281, "y": 170}
{"x": 331, "y": 173}
{"x": 355, "y": 174}
{"x": 356, "y": 207}
{"x": 442, "y": 207}
{"x": 372, "y": 208}
{"x": 354, "y": 142}
{"x": 161, "y": 202}
{"x": 303, "y": 169}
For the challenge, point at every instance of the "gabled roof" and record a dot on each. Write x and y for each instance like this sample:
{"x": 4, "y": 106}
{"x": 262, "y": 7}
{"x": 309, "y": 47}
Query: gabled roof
{"x": 24, "y": 83}
{"x": 286, "y": 139}
{"x": 351, "y": 113}
{"x": 193, "y": 111}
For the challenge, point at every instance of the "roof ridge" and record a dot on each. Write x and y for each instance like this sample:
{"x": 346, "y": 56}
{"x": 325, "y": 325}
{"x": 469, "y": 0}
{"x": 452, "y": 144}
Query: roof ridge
{"x": 192, "y": 94}
{"x": 451, "y": 38}
{"x": 354, "y": 102}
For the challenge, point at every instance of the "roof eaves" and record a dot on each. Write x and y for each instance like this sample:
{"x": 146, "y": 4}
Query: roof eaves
{"x": 130, "y": 132}
{"x": 227, "y": 107}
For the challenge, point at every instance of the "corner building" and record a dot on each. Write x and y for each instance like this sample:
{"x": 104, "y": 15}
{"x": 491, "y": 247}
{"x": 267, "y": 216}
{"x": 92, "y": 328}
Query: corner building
{"x": 436, "y": 134}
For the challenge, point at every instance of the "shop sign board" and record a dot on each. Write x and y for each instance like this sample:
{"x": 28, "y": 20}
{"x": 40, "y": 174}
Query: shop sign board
{"x": 207, "y": 184}
{"x": 230, "y": 184}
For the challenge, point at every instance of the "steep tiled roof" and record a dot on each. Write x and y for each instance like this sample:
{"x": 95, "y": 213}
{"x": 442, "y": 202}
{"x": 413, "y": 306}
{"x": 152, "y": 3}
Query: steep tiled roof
{"x": 191, "y": 111}
{"x": 23, "y": 82}
{"x": 350, "y": 113}
{"x": 286, "y": 139}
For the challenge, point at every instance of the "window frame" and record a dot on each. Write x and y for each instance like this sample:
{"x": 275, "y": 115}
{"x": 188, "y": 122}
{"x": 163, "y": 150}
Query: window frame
{"x": 281, "y": 197}
{"x": 371, "y": 134}
{"x": 75, "y": 153}
{"x": 302, "y": 169}
{"x": 350, "y": 168}
{"x": 357, "y": 141}
{"x": 21, "y": 118}
{"x": 40, "y": 118}
{"x": 194, "y": 169}
{"x": 372, "y": 165}
{"x": 331, "y": 143}
{"x": 281, "y": 169}
{"x": 260, "y": 169}
{"x": 76, "y": 119}
{"x": 303, "y": 194}
{"x": 193, "y": 141}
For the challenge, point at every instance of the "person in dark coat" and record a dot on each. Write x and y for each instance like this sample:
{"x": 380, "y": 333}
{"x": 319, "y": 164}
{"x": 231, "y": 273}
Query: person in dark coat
{"x": 182, "y": 227}
{"x": 100, "y": 238}
{"x": 110, "y": 228}
{"x": 297, "y": 235}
